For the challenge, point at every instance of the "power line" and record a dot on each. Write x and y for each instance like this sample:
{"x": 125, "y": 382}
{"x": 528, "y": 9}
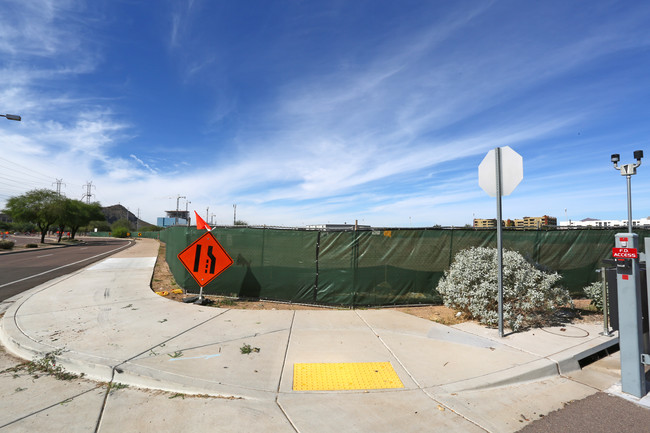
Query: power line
{"x": 26, "y": 171}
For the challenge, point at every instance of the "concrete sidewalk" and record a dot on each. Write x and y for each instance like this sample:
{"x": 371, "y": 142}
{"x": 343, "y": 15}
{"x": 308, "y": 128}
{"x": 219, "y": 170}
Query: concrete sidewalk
{"x": 105, "y": 322}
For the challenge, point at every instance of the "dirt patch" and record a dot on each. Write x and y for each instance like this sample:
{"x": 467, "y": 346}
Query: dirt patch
{"x": 163, "y": 281}
{"x": 435, "y": 313}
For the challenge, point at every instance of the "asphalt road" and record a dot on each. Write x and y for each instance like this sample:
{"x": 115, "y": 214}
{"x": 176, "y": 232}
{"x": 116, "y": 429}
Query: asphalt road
{"x": 29, "y": 268}
{"x": 598, "y": 413}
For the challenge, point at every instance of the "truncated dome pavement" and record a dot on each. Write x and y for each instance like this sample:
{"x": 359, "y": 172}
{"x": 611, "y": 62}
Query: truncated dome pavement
{"x": 345, "y": 376}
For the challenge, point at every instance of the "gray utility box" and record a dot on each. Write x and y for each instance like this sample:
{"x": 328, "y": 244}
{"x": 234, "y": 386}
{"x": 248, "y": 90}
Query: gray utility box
{"x": 612, "y": 295}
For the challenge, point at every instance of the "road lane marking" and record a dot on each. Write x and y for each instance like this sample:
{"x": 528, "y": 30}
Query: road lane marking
{"x": 38, "y": 257}
{"x": 64, "y": 266}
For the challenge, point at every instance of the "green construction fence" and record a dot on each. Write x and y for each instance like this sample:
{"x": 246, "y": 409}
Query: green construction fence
{"x": 375, "y": 267}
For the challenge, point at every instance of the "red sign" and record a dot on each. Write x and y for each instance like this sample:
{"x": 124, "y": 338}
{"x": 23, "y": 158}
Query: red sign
{"x": 624, "y": 253}
{"x": 205, "y": 258}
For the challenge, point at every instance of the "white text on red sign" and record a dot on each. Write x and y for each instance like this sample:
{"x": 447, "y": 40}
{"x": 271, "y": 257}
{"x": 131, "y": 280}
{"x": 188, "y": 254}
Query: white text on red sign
{"x": 624, "y": 253}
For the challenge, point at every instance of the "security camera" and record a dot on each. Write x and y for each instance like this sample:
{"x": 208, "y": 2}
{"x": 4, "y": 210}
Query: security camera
{"x": 638, "y": 154}
{"x": 616, "y": 158}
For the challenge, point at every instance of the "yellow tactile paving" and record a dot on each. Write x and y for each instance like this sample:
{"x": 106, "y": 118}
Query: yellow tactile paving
{"x": 345, "y": 376}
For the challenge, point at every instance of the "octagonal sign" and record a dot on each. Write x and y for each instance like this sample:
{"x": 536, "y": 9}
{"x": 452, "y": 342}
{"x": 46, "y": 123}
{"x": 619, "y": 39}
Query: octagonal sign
{"x": 205, "y": 258}
{"x": 512, "y": 171}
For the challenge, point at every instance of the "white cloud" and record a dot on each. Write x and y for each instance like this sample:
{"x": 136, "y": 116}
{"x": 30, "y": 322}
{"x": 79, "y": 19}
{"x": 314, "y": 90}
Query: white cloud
{"x": 391, "y": 138}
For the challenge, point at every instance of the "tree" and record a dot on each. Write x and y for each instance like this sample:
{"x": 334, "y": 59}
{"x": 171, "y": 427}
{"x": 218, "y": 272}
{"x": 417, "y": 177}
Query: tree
{"x": 81, "y": 214}
{"x": 124, "y": 223}
{"x": 39, "y": 206}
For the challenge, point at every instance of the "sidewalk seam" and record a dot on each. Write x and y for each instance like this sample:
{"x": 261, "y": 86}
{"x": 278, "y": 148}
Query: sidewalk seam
{"x": 284, "y": 364}
{"x": 423, "y": 390}
{"x": 389, "y": 350}
{"x": 49, "y": 407}
{"x": 171, "y": 338}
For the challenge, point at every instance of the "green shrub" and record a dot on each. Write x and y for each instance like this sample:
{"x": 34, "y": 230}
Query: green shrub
{"x": 530, "y": 295}
{"x": 594, "y": 291}
{"x": 31, "y": 246}
{"x": 6, "y": 245}
{"x": 120, "y": 232}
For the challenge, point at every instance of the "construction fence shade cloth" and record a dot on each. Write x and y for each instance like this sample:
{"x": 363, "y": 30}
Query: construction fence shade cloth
{"x": 376, "y": 267}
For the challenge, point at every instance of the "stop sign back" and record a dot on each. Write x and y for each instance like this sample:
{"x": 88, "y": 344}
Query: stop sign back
{"x": 512, "y": 171}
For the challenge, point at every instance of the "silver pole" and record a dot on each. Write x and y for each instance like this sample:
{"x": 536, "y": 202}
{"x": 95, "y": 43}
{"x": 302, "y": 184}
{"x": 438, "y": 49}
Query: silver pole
{"x": 603, "y": 277}
{"x": 629, "y": 203}
{"x": 499, "y": 239}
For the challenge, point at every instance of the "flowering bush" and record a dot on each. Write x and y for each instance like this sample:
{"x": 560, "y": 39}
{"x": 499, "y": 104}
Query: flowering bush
{"x": 594, "y": 291}
{"x": 529, "y": 294}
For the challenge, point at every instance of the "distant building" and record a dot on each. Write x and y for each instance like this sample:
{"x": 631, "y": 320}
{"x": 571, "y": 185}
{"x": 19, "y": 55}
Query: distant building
{"x": 525, "y": 223}
{"x": 536, "y": 222}
{"x": 338, "y": 227}
{"x": 174, "y": 218}
{"x": 605, "y": 224}
{"x": 485, "y": 223}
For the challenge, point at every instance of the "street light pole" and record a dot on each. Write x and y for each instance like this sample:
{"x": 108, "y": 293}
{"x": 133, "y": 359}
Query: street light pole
{"x": 628, "y": 170}
{"x": 11, "y": 117}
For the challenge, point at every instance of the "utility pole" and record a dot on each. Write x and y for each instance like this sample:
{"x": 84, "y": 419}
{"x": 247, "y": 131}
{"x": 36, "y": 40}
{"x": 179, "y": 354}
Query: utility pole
{"x": 88, "y": 193}
{"x": 137, "y": 221}
{"x": 58, "y": 186}
{"x": 234, "y": 214}
{"x": 187, "y": 212}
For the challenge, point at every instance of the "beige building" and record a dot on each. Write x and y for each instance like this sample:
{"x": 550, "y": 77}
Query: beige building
{"x": 525, "y": 223}
{"x": 536, "y": 222}
{"x": 485, "y": 223}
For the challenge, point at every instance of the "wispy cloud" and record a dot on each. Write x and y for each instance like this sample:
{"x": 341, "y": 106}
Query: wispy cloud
{"x": 299, "y": 116}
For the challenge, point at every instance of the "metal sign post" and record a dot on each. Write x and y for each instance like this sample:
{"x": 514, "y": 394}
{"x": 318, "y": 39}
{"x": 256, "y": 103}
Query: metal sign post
{"x": 497, "y": 160}
{"x": 631, "y": 339}
{"x": 499, "y": 174}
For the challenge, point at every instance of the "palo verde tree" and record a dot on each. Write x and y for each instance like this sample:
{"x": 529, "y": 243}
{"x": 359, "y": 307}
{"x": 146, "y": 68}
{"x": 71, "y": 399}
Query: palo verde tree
{"x": 39, "y": 206}
{"x": 75, "y": 213}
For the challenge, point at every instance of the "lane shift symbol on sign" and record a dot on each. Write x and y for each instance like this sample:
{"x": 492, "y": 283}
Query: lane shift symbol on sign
{"x": 211, "y": 261}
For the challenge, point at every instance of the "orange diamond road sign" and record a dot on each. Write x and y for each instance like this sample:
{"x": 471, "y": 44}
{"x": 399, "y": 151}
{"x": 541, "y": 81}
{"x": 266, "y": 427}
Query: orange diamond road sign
{"x": 205, "y": 258}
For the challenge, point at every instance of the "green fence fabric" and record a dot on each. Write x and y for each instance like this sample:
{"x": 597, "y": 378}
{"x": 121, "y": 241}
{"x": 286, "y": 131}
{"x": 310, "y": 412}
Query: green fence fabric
{"x": 376, "y": 267}
{"x": 270, "y": 264}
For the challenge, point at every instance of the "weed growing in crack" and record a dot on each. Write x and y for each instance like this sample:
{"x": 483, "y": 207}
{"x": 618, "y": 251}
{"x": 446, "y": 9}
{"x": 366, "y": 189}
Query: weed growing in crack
{"x": 43, "y": 366}
{"x": 114, "y": 386}
{"x": 247, "y": 349}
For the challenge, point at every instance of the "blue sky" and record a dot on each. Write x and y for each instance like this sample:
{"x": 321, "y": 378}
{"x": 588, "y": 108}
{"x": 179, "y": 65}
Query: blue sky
{"x": 308, "y": 112}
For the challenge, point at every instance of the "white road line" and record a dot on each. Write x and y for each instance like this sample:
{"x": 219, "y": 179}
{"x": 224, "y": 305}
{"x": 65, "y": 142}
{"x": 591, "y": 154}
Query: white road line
{"x": 61, "y": 267}
{"x": 38, "y": 257}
